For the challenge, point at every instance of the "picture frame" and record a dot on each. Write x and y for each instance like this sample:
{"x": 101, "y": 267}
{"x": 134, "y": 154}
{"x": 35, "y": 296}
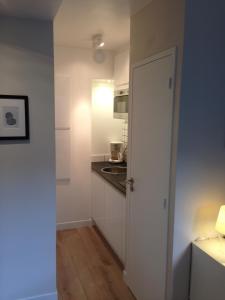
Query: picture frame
{"x": 14, "y": 117}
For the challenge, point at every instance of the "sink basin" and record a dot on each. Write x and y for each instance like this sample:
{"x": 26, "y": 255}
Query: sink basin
{"x": 114, "y": 170}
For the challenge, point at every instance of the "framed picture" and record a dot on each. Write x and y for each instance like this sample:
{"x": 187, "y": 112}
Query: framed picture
{"x": 14, "y": 117}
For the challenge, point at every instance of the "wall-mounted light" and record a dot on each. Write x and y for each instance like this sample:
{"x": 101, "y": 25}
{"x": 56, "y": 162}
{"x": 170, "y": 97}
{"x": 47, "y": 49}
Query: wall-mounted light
{"x": 102, "y": 96}
{"x": 98, "y": 42}
{"x": 220, "y": 224}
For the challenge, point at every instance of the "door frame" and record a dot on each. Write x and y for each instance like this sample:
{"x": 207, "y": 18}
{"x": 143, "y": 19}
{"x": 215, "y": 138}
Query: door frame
{"x": 171, "y": 199}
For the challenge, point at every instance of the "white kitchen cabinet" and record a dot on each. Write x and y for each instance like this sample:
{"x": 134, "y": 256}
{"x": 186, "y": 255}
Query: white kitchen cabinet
{"x": 98, "y": 202}
{"x": 108, "y": 212}
{"x": 115, "y": 219}
{"x": 121, "y": 69}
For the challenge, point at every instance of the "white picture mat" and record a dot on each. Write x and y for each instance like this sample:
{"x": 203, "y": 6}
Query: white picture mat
{"x": 12, "y": 131}
{"x": 62, "y": 154}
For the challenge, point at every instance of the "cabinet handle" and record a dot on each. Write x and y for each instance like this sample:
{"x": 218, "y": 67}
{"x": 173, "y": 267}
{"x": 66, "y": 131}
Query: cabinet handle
{"x": 131, "y": 183}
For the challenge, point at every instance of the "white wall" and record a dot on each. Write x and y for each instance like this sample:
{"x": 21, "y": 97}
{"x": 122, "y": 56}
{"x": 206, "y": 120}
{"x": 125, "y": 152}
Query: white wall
{"x": 105, "y": 128}
{"x": 27, "y": 172}
{"x": 122, "y": 67}
{"x": 74, "y": 196}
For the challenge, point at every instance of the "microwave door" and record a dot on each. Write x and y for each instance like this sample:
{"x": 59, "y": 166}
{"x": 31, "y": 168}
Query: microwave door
{"x": 121, "y": 104}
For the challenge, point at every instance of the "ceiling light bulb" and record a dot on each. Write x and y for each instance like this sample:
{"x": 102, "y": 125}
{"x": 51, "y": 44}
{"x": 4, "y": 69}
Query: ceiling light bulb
{"x": 97, "y": 41}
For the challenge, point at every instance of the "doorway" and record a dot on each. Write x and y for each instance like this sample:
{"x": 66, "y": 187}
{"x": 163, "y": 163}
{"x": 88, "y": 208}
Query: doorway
{"x": 91, "y": 45}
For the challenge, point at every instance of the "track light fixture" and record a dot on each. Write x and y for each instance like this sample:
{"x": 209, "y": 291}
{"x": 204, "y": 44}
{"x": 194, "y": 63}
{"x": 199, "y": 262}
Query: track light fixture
{"x": 98, "y": 42}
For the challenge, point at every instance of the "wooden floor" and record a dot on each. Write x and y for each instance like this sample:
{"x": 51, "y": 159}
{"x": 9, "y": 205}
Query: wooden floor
{"x": 86, "y": 269}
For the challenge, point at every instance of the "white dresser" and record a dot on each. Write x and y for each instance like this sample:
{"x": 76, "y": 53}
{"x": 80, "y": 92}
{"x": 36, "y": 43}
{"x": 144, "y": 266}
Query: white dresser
{"x": 208, "y": 270}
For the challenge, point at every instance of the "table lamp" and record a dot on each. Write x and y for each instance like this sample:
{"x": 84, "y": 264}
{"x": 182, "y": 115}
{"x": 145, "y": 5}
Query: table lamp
{"x": 220, "y": 224}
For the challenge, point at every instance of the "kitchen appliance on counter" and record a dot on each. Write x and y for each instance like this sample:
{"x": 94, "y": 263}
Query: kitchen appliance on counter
{"x": 116, "y": 150}
{"x": 121, "y": 104}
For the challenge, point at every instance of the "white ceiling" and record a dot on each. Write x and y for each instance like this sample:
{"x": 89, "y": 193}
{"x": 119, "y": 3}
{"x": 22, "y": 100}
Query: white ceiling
{"x": 39, "y": 9}
{"x": 78, "y": 20}
{"x": 136, "y": 5}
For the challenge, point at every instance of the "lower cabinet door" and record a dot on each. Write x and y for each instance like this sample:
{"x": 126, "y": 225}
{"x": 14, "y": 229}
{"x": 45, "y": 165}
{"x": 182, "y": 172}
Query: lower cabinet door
{"x": 115, "y": 220}
{"x": 98, "y": 202}
{"x": 108, "y": 212}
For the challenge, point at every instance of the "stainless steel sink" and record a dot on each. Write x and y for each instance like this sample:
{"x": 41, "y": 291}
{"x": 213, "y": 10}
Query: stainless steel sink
{"x": 114, "y": 170}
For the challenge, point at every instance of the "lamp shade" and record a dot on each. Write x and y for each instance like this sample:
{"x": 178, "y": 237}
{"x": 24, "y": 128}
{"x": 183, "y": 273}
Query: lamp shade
{"x": 220, "y": 224}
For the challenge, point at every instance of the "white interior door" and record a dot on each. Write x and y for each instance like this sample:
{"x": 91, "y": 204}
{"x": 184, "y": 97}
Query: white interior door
{"x": 149, "y": 165}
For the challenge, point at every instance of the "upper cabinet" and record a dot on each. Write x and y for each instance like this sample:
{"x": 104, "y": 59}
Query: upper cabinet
{"x": 121, "y": 69}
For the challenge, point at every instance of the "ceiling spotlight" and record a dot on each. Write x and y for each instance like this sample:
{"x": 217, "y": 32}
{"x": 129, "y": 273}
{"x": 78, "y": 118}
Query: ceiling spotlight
{"x": 98, "y": 41}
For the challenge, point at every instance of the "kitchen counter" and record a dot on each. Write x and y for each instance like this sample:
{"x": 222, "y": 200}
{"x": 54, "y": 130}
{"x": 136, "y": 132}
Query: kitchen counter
{"x": 116, "y": 180}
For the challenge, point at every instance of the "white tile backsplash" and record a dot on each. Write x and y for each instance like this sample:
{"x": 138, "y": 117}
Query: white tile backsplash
{"x": 125, "y": 133}
{"x": 97, "y": 157}
{"x": 106, "y": 156}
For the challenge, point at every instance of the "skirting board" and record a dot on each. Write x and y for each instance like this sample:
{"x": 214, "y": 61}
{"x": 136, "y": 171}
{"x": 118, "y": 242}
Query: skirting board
{"x": 125, "y": 276}
{"x": 48, "y": 296}
{"x": 74, "y": 224}
{"x": 125, "y": 279}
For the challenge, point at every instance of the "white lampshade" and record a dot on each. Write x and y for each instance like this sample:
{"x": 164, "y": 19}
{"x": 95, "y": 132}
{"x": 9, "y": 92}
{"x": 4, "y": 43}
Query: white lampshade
{"x": 220, "y": 224}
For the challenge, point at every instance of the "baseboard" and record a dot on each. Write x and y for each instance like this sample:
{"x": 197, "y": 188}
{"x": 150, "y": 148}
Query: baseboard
{"x": 107, "y": 244}
{"x": 125, "y": 276}
{"x": 48, "y": 296}
{"x": 74, "y": 224}
{"x": 125, "y": 279}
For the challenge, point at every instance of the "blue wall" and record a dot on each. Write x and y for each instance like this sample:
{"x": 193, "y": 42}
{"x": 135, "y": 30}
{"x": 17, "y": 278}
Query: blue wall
{"x": 200, "y": 182}
{"x": 27, "y": 169}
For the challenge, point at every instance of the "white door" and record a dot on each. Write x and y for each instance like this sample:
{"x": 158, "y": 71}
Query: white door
{"x": 149, "y": 166}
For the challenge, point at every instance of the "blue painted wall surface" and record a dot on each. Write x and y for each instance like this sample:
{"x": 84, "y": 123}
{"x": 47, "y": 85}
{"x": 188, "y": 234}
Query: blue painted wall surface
{"x": 27, "y": 169}
{"x": 200, "y": 180}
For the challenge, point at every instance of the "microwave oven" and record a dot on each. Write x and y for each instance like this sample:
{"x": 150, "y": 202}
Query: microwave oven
{"x": 121, "y": 104}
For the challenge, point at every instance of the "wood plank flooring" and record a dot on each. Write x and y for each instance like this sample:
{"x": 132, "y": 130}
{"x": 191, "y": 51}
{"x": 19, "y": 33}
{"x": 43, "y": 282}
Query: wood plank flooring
{"x": 86, "y": 269}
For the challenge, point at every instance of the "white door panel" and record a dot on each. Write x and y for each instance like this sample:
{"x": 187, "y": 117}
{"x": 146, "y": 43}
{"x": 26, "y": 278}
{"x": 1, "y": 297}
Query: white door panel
{"x": 149, "y": 165}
